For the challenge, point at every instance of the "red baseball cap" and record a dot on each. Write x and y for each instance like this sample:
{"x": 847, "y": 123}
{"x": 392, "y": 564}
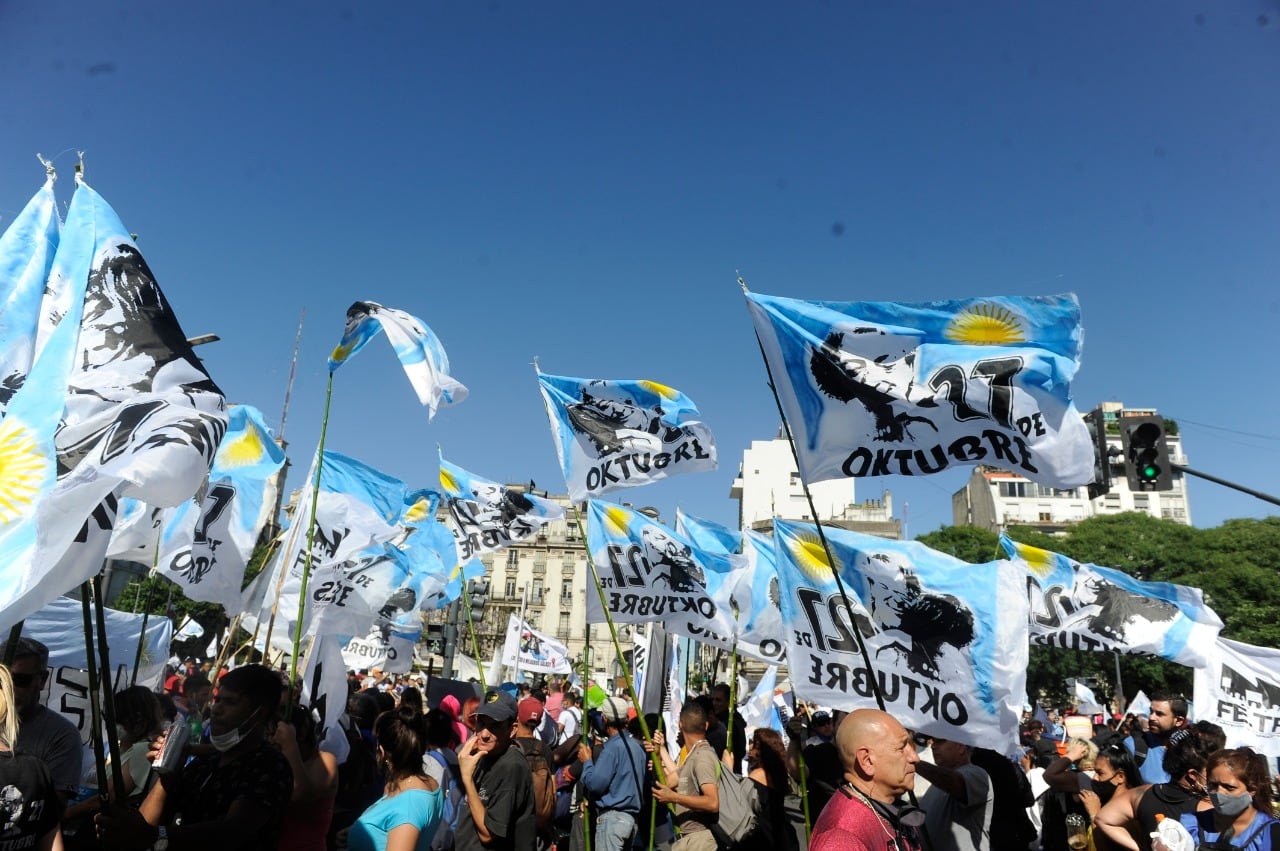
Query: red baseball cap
{"x": 529, "y": 711}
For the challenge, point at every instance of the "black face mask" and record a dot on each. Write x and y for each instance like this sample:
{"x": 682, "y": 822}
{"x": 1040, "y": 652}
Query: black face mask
{"x": 1104, "y": 791}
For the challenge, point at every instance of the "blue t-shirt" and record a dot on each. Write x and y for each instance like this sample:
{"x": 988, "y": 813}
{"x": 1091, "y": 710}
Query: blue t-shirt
{"x": 417, "y": 807}
{"x": 1257, "y": 837}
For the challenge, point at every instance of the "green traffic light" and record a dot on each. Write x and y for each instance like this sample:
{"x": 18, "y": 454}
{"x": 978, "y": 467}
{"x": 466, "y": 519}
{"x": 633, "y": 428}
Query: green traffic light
{"x": 1150, "y": 472}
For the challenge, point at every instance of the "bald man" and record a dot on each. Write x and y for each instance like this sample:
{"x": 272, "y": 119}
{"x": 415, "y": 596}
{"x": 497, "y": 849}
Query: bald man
{"x": 879, "y": 759}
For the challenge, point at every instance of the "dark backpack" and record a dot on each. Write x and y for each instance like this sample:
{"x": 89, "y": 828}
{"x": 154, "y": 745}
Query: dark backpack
{"x": 544, "y": 784}
{"x": 452, "y": 791}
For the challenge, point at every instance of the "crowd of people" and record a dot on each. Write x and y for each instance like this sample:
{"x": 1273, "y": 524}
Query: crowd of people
{"x": 531, "y": 768}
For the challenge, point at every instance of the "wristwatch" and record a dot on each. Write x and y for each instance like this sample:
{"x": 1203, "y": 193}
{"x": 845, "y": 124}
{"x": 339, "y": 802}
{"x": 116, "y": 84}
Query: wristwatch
{"x": 162, "y": 839}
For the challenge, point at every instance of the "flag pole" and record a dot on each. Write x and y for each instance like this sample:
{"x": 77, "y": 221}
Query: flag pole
{"x": 146, "y": 609}
{"x": 617, "y": 646}
{"x": 524, "y": 605}
{"x": 311, "y": 538}
{"x": 95, "y": 693}
{"x": 813, "y": 512}
{"x": 271, "y": 621}
{"x": 108, "y": 694}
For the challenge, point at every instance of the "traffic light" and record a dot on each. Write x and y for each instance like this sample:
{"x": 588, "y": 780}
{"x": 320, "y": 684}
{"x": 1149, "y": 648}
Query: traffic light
{"x": 478, "y": 597}
{"x": 1146, "y": 454}
{"x": 1101, "y": 484}
{"x": 435, "y": 638}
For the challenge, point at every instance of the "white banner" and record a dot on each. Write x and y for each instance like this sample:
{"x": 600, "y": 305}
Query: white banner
{"x": 1239, "y": 689}
{"x": 530, "y": 650}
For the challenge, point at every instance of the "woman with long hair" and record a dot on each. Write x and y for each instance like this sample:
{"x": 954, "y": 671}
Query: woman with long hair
{"x": 1240, "y": 790}
{"x": 32, "y": 807}
{"x": 767, "y": 771}
{"x": 407, "y": 815}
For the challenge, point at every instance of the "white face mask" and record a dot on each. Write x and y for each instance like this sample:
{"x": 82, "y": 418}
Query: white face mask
{"x": 224, "y": 742}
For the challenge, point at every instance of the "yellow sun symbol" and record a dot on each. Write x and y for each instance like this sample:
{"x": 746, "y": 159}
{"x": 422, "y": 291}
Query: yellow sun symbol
{"x": 417, "y": 512}
{"x": 661, "y": 389}
{"x": 23, "y": 470}
{"x": 617, "y": 520}
{"x": 810, "y": 556}
{"x": 985, "y": 325}
{"x": 1040, "y": 562}
{"x": 448, "y": 482}
{"x": 243, "y": 450}
{"x": 340, "y": 353}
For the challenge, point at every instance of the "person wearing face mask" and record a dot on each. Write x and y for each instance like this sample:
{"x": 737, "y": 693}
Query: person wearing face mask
{"x": 1114, "y": 772}
{"x": 1129, "y": 819}
{"x": 1240, "y": 792}
{"x": 232, "y": 800}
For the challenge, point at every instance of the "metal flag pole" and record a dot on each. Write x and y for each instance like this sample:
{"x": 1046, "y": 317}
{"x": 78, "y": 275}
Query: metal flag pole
{"x": 107, "y": 694}
{"x": 146, "y": 610}
{"x": 311, "y": 538}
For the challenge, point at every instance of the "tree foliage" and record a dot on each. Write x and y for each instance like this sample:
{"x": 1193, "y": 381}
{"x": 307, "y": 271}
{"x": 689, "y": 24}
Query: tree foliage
{"x": 1237, "y": 565}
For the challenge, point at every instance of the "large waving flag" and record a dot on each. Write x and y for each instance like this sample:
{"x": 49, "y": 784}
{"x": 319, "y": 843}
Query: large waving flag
{"x": 415, "y": 344}
{"x": 761, "y": 633}
{"x": 487, "y": 516}
{"x": 207, "y": 543}
{"x": 1239, "y": 689}
{"x": 650, "y": 573}
{"x": 947, "y": 640}
{"x": 1088, "y": 607}
{"x": 623, "y": 434}
{"x": 27, "y": 249}
{"x": 531, "y": 650}
{"x": 887, "y": 388}
{"x": 139, "y": 415}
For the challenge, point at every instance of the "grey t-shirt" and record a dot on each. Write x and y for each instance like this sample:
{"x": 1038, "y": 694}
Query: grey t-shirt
{"x": 55, "y": 741}
{"x": 956, "y": 826}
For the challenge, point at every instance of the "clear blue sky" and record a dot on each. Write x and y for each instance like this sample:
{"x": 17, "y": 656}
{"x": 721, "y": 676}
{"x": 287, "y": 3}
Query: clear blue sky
{"x": 580, "y": 181}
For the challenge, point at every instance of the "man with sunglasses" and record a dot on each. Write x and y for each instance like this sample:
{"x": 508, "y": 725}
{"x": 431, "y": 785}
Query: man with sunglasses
{"x": 499, "y": 811}
{"x": 43, "y": 733}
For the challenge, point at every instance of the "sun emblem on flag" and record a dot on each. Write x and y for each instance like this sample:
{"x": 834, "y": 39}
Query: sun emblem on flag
{"x": 448, "y": 482}
{"x": 668, "y": 393}
{"x": 341, "y": 352}
{"x": 417, "y": 512}
{"x": 985, "y": 325}
{"x": 617, "y": 520}
{"x": 1040, "y": 562}
{"x": 23, "y": 470}
{"x": 808, "y": 554}
{"x": 243, "y": 450}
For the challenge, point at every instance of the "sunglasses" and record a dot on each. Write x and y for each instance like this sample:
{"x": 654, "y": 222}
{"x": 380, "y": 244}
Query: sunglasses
{"x": 23, "y": 680}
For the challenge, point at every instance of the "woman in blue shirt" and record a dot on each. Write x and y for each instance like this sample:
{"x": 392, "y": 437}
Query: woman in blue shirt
{"x": 1241, "y": 794}
{"x": 406, "y": 816}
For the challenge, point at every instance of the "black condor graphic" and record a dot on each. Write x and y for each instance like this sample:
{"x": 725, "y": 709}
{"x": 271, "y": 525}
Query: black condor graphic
{"x": 614, "y": 426}
{"x": 1118, "y": 609}
{"x": 876, "y": 383}
{"x": 927, "y": 622}
{"x": 671, "y": 562}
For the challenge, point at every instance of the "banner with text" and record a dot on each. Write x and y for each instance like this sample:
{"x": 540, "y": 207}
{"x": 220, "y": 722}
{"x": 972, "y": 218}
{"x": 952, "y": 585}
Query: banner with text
{"x": 1239, "y": 689}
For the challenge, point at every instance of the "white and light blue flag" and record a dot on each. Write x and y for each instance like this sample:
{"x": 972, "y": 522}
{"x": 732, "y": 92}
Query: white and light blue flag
{"x": 27, "y": 248}
{"x": 528, "y": 649}
{"x": 623, "y": 434}
{"x": 759, "y": 710}
{"x": 488, "y": 516}
{"x": 415, "y": 344}
{"x": 1089, "y": 607}
{"x": 947, "y": 640}
{"x": 134, "y": 411}
{"x": 761, "y": 634}
{"x": 889, "y": 388}
{"x": 650, "y": 573}
{"x": 207, "y": 542}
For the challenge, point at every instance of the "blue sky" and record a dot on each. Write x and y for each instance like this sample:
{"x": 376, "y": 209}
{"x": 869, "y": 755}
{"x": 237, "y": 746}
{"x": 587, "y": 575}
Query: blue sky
{"x": 580, "y": 182}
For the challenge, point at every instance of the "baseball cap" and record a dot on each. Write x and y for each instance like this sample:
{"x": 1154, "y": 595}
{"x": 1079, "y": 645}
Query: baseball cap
{"x": 614, "y": 709}
{"x": 821, "y": 718}
{"x": 497, "y": 705}
{"x": 530, "y": 711}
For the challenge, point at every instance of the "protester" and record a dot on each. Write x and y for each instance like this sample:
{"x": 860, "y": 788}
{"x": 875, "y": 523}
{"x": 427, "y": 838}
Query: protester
{"x": 720, "y": 703}
{"x": 959, "y": 802}
{"x": 767, "y": 764}
{"x": 1168, "y": 714}
{"x": 234, "y": 800}
{"x": 1011, "y": 794}
{"x": 1129, "y": 819}
{"x": 499, "y": 813}
{"x": 690, "y": 787}
{"x": 529, "y": 718}
{"x": 441, "y": 764}
{"x": 570, "y": 718}
{"x": 613, "y": 782}
{"x": 1242, "y": 815}
{"x": 33, "y": 824}
{"x": 315, "y": 782}
{"x": 1114, "y": 772}
{"x": 408, "y": 813}
{"x": 819, "y": 755}
{"x": 879, "y": 759}
{"x": 43, "y": 733}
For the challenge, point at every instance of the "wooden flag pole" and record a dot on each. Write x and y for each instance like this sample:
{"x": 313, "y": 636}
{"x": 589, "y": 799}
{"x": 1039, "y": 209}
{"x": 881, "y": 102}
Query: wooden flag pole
{"x": 95, "y": 692}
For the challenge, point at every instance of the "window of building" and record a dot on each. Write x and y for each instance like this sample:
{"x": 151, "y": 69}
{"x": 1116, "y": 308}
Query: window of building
{"x": 1046, "y": 516}
{"x": 513, "y": 558}
{"x": 537, "y": 592}
{"x": 1013, "y": 489}
{"x": 511, "y": 587}
{"x": 566, "y": 590}
{"x": 563, "y": 627}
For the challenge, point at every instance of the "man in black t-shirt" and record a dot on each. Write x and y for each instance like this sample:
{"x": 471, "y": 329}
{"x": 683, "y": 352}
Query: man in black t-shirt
{"x": 498, "y": 815}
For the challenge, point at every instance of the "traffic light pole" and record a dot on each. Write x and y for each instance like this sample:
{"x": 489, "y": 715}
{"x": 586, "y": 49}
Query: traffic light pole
{"x": 1187, "y": 471}
{"x": 450, "y": 639}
